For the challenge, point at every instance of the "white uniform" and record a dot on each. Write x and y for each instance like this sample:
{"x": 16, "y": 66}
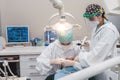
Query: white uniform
{"x": 101, "y": 47}
{"x": 53, "y": 51}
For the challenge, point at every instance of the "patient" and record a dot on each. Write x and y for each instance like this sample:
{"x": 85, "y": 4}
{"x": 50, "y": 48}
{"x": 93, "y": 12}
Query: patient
{"x": 68, "y": 68}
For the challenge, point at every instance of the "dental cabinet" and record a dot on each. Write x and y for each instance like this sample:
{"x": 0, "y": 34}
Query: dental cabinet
{"x": 26, "y": 60}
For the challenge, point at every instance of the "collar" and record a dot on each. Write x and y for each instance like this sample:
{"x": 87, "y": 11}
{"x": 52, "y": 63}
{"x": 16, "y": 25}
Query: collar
{"x": 97, "y": 30}
{"x": 70, "y": 46}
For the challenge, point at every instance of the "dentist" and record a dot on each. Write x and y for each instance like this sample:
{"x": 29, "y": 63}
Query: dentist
{"x": 102, "y": 40}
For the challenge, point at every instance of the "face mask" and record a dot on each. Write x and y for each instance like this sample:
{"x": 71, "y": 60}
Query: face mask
{"x": 94, "y": 23}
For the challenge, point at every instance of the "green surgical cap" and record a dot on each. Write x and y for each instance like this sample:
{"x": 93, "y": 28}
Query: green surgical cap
{"x": 66, "y": 37}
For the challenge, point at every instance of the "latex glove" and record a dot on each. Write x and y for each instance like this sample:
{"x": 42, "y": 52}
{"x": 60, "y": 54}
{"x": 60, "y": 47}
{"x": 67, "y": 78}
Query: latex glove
{"x": 86, "y": 44}
{"x": 67, "y": 63}
{"x": 76, "y": 59}
{"x": 56, "y": 61}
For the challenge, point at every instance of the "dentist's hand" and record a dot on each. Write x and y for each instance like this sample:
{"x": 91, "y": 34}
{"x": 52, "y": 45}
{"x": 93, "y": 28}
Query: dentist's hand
{"x": 86, "y": 44}
{"x": 56, "y": 61}
{"x": 67, "y": 63}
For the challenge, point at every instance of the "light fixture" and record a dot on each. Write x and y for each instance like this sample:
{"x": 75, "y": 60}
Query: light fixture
{"x": 62, "y": 25}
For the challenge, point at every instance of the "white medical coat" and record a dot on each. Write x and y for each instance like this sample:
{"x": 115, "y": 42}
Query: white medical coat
{"x": 101, "y": 46}
{"x": 53, "y": 51}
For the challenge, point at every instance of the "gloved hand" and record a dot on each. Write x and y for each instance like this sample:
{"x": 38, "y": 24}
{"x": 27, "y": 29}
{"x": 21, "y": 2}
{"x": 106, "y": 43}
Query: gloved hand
{"x": 66, "y": 63}
{"x": 86, "y": 45}
{"x": 56, "y": 61}
{"x": 76, "y": 59}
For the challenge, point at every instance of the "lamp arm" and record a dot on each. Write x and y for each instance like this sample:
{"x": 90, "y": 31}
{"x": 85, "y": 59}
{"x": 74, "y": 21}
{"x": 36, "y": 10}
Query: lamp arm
{"x": 58, "y": 4}
{"x": 65, "y": 14}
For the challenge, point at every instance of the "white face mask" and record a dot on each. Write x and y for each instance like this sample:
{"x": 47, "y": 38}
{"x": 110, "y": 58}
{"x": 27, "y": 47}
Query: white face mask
{"x": 94, "y": 23}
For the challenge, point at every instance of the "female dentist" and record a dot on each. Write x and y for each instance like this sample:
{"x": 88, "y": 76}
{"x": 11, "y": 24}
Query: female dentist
{"x": 103, "y": 37}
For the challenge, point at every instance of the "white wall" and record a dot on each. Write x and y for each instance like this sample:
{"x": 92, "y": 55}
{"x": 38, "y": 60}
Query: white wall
{"x": 36, "y": 13}
{"x": 0, "y": 20}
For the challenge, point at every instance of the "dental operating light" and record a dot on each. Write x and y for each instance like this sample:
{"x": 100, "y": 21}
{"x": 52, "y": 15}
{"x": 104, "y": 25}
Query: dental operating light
{"x": 62, "y": 27}
{"x": 58, "y": 4}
